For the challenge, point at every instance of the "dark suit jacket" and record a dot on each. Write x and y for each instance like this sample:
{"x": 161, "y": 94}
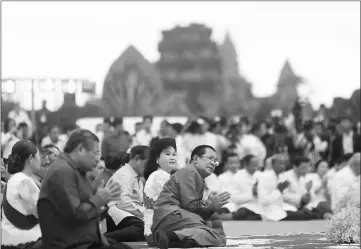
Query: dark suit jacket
{"x": 183, "y": 191}
{"x": 337, "y": 147}
{"x": 69, "y": 211}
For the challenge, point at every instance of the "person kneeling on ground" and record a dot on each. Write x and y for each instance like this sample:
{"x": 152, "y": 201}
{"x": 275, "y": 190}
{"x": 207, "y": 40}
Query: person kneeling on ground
{"x": 69, "y": 208}
{"x": 125, "y": 220}
{"x": 181, "y": 218}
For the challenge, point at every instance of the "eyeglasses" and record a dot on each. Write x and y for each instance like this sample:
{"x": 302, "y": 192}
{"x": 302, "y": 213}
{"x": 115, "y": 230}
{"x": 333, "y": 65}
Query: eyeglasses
{"x": 215, "y": 161}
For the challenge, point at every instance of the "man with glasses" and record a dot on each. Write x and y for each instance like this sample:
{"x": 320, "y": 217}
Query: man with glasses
{"x": 181, "y": 217}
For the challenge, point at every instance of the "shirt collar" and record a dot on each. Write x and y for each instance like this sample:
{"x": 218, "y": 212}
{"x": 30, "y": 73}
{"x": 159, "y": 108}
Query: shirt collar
{"x": 130, "y": 170}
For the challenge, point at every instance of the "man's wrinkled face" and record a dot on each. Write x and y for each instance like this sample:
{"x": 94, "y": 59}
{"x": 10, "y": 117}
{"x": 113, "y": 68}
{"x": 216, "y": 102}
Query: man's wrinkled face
{"x": 89, "y": 158}
{"x": 206, "y": 163}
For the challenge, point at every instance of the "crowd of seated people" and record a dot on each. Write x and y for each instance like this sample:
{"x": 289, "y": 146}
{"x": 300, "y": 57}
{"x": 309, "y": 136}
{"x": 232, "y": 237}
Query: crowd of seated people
{"x": 173, "y": 189}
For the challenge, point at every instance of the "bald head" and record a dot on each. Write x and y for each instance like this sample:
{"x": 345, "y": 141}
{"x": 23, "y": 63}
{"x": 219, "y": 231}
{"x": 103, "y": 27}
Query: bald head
{"x": 354, "y": 163}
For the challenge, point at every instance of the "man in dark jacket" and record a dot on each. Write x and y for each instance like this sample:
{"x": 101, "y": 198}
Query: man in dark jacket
{"x": 345, "y": 143}
{"x": 69, "y": 208}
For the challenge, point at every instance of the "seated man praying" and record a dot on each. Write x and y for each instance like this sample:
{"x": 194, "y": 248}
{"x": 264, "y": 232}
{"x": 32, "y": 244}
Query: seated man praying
{"x": 181, "y": 217}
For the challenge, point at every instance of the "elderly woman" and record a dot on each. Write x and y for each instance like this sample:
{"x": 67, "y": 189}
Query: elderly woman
{"x": 161, "y": 164}
{"x": 20, "y": 226}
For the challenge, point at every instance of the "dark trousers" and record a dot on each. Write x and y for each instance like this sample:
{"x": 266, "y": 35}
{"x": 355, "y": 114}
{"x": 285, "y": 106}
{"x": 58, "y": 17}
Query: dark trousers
{"x": 316, "y": 213}
{"x": 245, "y": 214}
{"x": 130, "y": 229}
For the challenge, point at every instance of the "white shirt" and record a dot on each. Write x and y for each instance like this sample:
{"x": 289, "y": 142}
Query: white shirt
{"x": 250, "y": 144}
{"x": 130, "y": 202}
{"x": 142, "y": 138}
{"x": 212, "y": 184}
{"x": 347, "y": 142}
{"x": 22, "y": 194}
{"x": 9, "y": 145}
{"x": 269, "y": 197}
{"x": 20, "y": 117}
{"x": 152, "y": 189}
{"x": 342, "y": 181}
{"x": 293, "y": 193}
{"x": 227, "y": 181}
{"x": 317, "y": 190}
{"x": 242, "y": 191}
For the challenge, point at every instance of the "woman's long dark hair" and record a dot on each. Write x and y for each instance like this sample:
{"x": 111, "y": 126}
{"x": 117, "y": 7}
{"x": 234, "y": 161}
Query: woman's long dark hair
{"x": 157, "y": 148}
{"x": 19, "y": 153}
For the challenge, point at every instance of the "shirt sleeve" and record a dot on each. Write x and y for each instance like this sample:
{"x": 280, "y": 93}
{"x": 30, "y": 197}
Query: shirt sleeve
{"x": 191, "y": 198}
{"x": 29, "y": 194}
{"x": 63, "y": 188}
{"x": 125, "y": 201}
{"x": 267, "y": 194}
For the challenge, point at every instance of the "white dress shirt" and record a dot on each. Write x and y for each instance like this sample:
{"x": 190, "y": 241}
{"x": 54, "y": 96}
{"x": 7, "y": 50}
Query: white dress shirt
{"x": 130, "y": 202}
{"x": 212, "y": 184}
{"x": 269, "y": 197}
{"x": 347, "y": 142}
{"x": 242, "y": 191}
{"x": 342, "y": 181}
{"x": 293, "y": 193}
{"x": 142, "y": 138}
{"x": 317, "y": 191}
{"x": 251, "y": 144}
{"x": 227, "y": 181}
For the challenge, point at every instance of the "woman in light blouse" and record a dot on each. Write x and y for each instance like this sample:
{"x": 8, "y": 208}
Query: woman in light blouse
{"x": 20, "y": 226}
{"x": 161, "y": 164}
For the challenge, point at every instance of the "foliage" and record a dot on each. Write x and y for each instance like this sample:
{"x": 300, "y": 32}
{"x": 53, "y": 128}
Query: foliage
{"x": 344, "y": 225}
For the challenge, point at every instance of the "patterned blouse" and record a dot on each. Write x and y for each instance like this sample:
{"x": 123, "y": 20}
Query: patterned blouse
{"x": 152, "y": 189}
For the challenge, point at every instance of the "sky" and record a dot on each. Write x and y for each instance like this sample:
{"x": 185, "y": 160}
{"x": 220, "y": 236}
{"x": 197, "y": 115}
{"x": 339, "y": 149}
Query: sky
{"x": 82, "y": 39}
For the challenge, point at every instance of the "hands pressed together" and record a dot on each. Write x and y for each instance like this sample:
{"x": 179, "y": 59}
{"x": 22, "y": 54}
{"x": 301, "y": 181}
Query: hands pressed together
{"x": 218, "y": 200}
{"x": 110, "y": 192}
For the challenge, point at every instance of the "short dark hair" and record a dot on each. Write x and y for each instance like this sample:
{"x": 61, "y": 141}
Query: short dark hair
{"x": 19, "y": 153}
{"x": 139, "y": 150}
{"x": 201, "y": 150}
{"x": 298, "y": 160}
{"x": 50, "y": 146}
{"x": 247, "y": 159}
{"x": 344, "y": 158}
{"x": 22, "y": 125}
{"x": 117, "y": 121}
{"x": 317, "y": 164}
{"x": 114, "y": 160}
{"x": 80, "y": 136}
{"x": 53, "y": 127}
{"x": 150, "y": 117}
{"x": 229, "y": 155}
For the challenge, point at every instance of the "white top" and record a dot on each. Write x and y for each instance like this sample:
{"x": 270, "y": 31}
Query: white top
{"x": 130, "y": 202}
{"x": 22, "y": 194}
{"x": 142, "y": 138}
{"x": 9, "y": 146}
{"x": 20, "y": 117}
{"x": 212, "y": 184}
{"x": 241, "y": 191}
{"x": 152, "y": 189}
{"x": 342, "y": 181}
{"x": 269, "y": 197}
{"x": 251, "y": 144}
{"x": 293, "y": 193}
{"x": 318, "y": 190}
